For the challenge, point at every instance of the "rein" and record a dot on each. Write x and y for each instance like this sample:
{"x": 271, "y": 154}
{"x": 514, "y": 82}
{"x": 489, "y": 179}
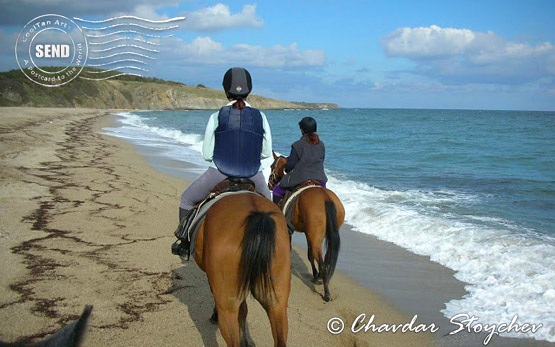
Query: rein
{"x": 275, "y": 175}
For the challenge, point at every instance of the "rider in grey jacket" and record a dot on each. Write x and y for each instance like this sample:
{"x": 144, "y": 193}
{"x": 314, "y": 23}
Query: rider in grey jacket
{"x": 306, "y": 159}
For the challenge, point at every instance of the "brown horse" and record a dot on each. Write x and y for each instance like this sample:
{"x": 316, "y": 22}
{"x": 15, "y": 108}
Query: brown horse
{"x": 318, "y": 213}
{"x": 243, "y": 246}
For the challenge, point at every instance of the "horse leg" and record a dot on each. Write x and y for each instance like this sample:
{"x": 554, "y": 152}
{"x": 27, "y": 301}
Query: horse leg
{"x": 246, "y": 339}
{"x": 326, "y": 280}
{"x": 320, "y": 275}
{"x": 278, "y": 321}
{"x": 311, "y": 259}
{"x": 214, "y": 318}
{"x": 228, "y": 323}
{"x": 323, "y": 275}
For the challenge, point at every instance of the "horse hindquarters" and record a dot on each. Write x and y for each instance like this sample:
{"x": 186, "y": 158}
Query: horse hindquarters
{"x": 254, "y": 226}
{"x": 319, "y": 214}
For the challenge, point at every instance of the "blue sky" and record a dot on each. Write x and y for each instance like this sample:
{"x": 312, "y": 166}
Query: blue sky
{"x": 380, "y": 54}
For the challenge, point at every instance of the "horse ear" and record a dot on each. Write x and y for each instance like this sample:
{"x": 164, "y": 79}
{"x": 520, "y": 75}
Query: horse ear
{"x": 274, "y": 154}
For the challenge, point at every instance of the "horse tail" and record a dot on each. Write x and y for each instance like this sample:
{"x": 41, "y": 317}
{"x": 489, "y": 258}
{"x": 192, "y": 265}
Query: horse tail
{"x": 257, "y": 253}
{"x": 333, "y": 241}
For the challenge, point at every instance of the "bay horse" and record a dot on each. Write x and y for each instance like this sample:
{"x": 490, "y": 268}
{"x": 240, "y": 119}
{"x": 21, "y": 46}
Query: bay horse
{"x": 319, "y": 214}
{"x": 243, "y": 247}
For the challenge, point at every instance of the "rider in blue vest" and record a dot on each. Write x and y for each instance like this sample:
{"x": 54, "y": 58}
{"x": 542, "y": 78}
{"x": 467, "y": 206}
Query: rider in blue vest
{"x": 236, "y": 139}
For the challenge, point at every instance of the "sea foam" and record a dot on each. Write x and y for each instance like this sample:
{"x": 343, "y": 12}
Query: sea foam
{"x": 507, "y": 273}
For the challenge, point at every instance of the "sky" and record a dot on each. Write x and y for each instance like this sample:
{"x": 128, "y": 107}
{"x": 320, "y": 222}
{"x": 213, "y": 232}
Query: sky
{"x": 446, "y": 54}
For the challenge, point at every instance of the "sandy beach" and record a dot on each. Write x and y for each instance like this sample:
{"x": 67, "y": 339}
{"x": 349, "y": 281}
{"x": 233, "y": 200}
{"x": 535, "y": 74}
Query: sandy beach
{"x": 84, "y": 219}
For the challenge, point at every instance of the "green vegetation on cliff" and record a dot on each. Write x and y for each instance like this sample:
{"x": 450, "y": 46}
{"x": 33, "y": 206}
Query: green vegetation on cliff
{"x": 125, "y": 92}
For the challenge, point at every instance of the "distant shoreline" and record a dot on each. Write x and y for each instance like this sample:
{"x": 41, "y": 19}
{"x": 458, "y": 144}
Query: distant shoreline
{"x": 127, "y": 92}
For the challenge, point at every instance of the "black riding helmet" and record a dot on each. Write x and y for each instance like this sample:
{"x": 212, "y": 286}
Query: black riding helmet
{"x": 237, "y": 82}
{"x": 308, "y": 125}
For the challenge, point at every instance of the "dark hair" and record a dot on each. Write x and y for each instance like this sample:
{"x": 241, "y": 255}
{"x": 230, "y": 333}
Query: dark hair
{"x": 308, "y": 125}
{"x": 237, "y": 83}
{"x": 312, "y": 138}
{"x": 240, "y": 104}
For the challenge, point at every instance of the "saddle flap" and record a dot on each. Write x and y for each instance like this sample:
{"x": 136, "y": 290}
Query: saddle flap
{"x": 188, "y": 229}
{"x": 290, "y": 196}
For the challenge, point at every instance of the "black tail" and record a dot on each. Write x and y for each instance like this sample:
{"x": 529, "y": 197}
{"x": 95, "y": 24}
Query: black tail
{"x": 333, "y": 242}
{"x": 256, "y": 258}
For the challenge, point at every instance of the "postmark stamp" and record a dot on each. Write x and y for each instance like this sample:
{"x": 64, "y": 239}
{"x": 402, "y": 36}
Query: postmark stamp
{"x": 51, "y": 50}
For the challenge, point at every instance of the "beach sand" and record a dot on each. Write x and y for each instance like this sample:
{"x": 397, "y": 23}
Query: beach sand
{"x": 84, "y": 219}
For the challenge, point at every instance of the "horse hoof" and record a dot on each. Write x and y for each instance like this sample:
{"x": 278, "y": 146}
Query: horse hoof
{"x": 327, "y": 298}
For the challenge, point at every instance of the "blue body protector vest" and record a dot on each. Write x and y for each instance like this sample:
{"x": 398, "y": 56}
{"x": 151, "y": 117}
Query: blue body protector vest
{"x": 238, "y": 141}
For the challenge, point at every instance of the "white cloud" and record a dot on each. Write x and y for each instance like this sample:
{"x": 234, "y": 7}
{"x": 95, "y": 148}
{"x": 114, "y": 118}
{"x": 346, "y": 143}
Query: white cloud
{"x": 201, "y": 49}
{"x": 462, "y": 55}
{"x": 278, "y": 55}
{"x": 144, "y": 11}
{"x": 511, "y": 51}
{"x": 428, "y": 42}
{"x": 219, "y": 17}
{"x": 206, "y": 51}
{"x": 377, "y": 86}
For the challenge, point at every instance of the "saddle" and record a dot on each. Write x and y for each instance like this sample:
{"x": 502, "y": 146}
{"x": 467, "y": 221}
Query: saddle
{"x": 289, "y": 199}
{"x": 186, "y": 231}
{"x": 290, "y": 192}
{"x": 233, "y": 184}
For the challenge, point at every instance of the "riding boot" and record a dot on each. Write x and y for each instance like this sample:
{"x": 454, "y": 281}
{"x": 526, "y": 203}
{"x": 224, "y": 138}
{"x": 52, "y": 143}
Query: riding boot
{"x": 182, "y": 213}
{"x": 181, "y": 247}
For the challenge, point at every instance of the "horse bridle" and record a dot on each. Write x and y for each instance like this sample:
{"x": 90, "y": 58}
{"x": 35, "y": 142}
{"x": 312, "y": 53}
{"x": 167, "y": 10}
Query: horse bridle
{"x": 274, "y": 175}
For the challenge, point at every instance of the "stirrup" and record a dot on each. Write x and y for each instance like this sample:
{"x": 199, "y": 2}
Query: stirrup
{"x": 290, "y": 228}
{"x": 182, "y": 249}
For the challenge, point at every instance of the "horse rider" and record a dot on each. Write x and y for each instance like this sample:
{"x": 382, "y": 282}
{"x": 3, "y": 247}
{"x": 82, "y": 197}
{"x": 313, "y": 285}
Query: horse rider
{"x": 236, "y": 139}
{"x": 305, "y": 161}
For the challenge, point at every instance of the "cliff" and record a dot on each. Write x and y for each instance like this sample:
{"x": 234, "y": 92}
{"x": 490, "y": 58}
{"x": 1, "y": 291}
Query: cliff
{"x": 125, "y": 93}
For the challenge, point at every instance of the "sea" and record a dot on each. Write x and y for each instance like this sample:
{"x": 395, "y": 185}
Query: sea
{"x": 474, "y": 190}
